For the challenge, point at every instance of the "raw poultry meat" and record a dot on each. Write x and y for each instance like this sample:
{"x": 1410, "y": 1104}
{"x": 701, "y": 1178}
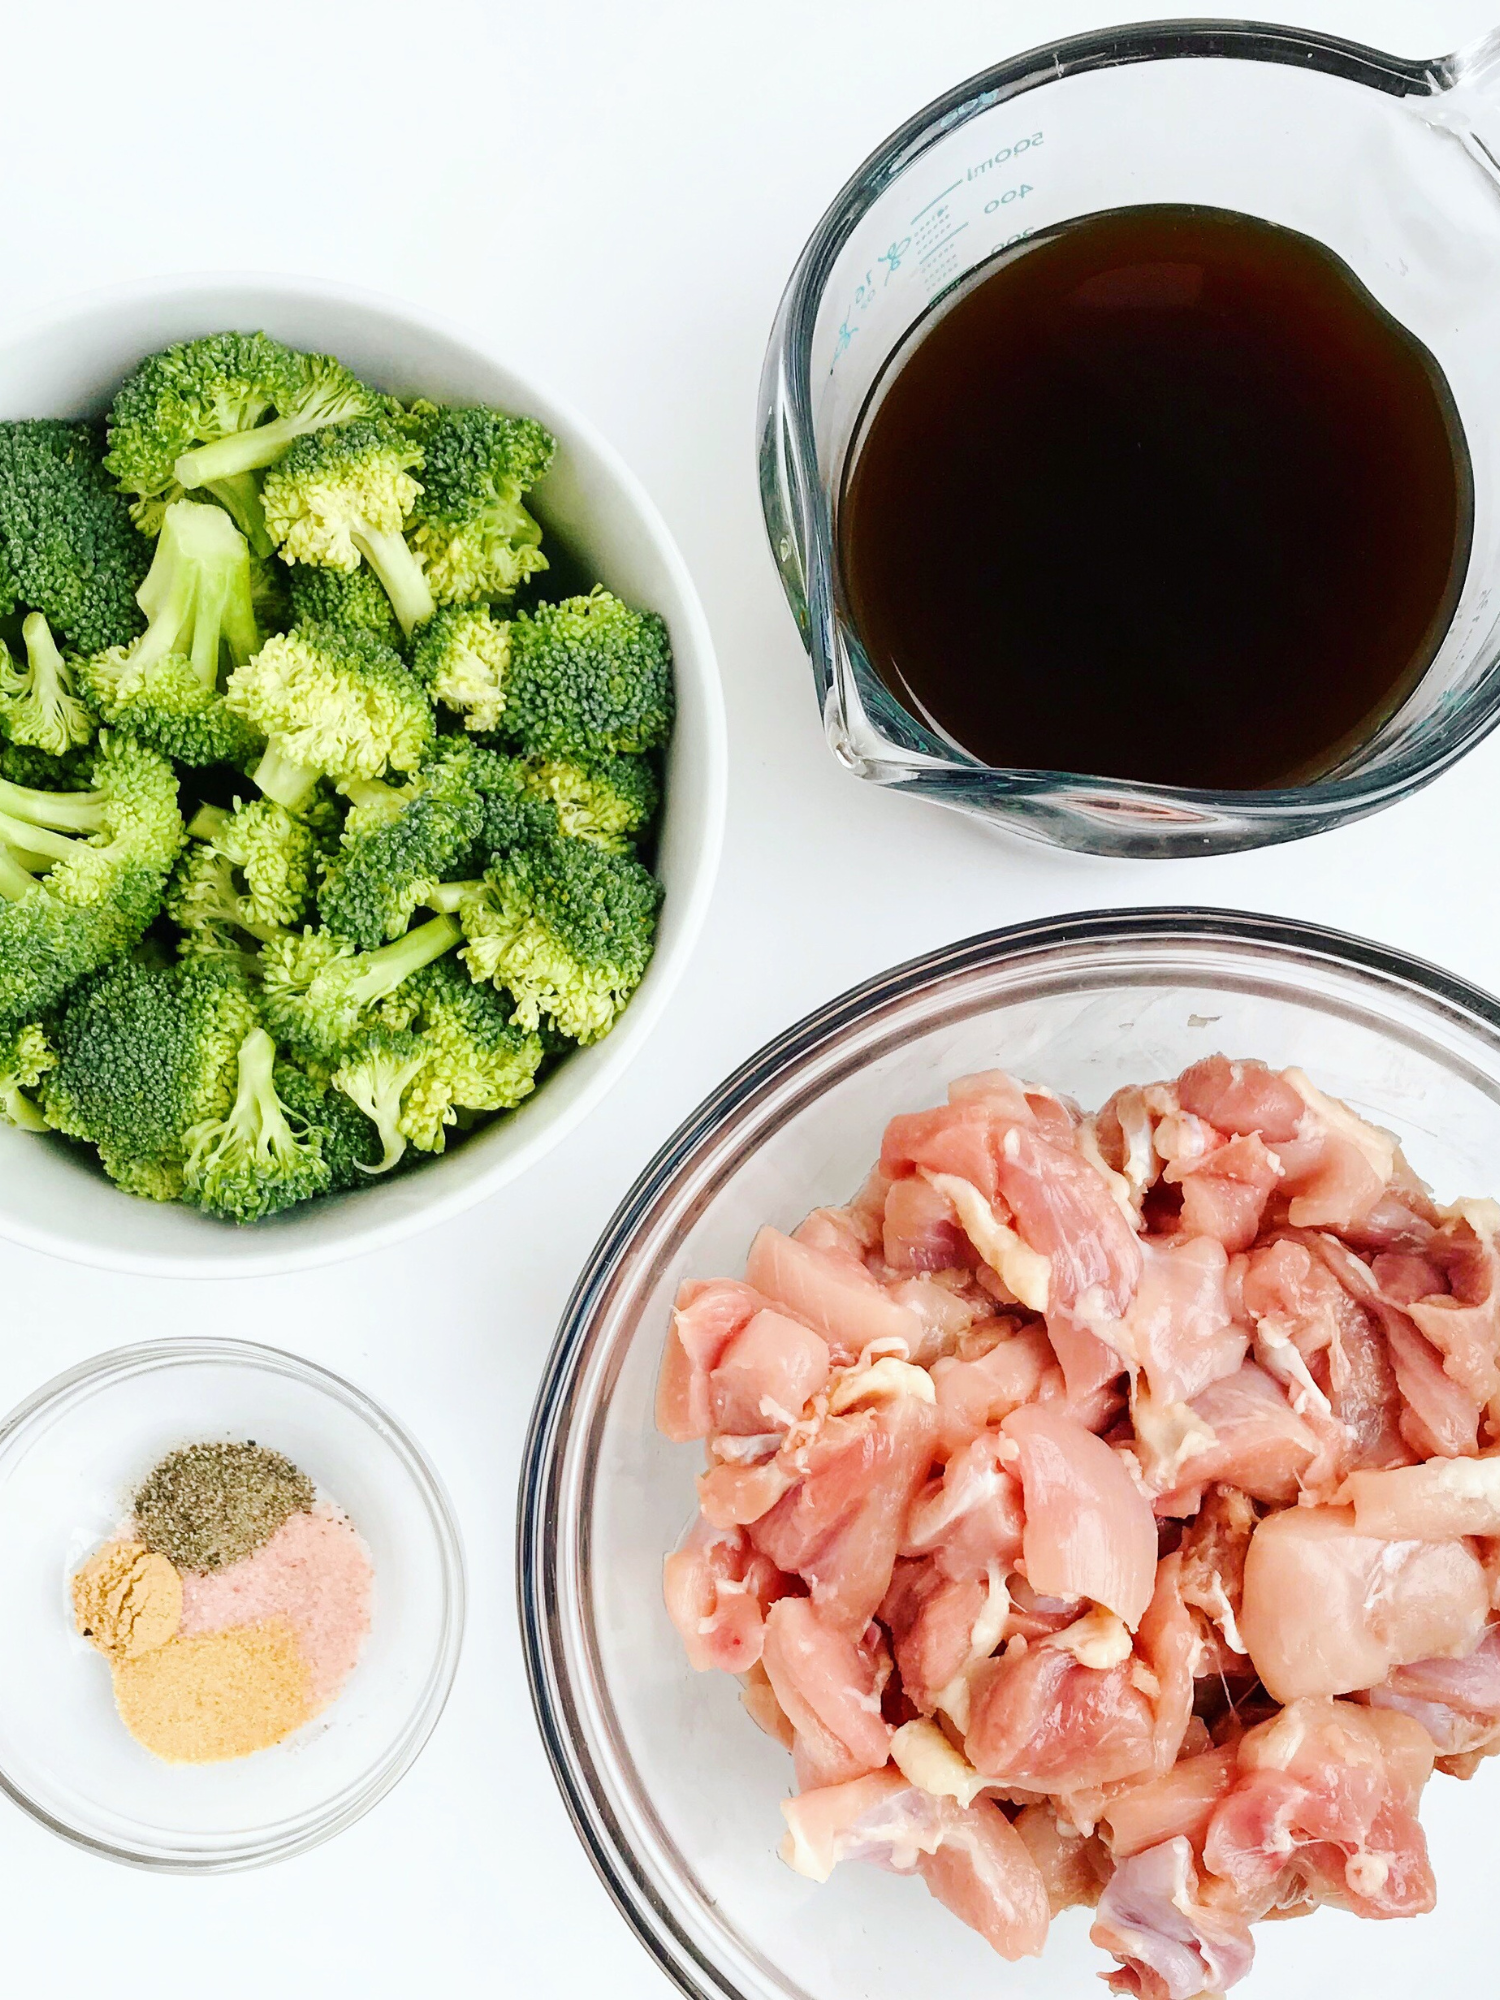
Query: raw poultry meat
{"x": 1105, "y": 1512}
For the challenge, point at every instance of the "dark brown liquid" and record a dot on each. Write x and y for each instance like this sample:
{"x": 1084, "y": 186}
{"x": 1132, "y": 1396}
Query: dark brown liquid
{"x": 1164, "y": 495}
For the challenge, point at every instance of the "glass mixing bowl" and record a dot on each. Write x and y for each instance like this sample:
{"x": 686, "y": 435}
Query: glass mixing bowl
{"x": 1391, "y": 164}
{"x": 673, "y": 1790}
{"x": 69, "y": 1458}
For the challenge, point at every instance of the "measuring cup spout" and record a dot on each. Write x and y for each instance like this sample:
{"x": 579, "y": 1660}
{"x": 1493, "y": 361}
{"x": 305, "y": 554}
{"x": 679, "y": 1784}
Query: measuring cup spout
{"x": 1466, "y": 99}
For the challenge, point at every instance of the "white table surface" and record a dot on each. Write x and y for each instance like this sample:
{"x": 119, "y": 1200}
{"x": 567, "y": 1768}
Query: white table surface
{"x": 613, "y": 191}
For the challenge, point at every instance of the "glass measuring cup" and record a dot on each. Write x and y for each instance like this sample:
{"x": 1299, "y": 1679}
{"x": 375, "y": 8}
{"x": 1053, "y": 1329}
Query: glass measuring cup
{"x": 1392, "y": 164}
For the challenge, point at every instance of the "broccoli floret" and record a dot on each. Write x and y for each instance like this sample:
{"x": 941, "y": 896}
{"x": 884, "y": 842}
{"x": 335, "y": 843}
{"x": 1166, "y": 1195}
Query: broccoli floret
{"x": 197, "y": 393}
{"x": 343, "y": 495}
{"x": 353, "y": 597}
{"x": 67, "y": 547}
{"x": 258, "y": 1157}
{"x": 477, "y": 1058}
{"x": 205, "y": 895}
{"x": 81, "y": 873}
{"x": 39, "y": 770}
{"x": 309, "y": 392}
{"x": 611, "y": 800}
{"x": 375, "y": 1075}
{"x": 270, "y": 597}
{"x": 569, "y": 928}
{"x": 25, "y": 1058}
{"x": 329, "y": 702}
{"x": 471, "y": 531}
{"x": 144, "y": 1054}
{"x": 319, "y": 996}
{"x": 38, "y": 707}
{"x": 460, "y": 655}
{"x": 164, "y": 686}
{"x": 588, "y": 678}
{"x": 399, "y": 844}
{"x": 349, "y": 1143}
{"x": 272, "y": 851}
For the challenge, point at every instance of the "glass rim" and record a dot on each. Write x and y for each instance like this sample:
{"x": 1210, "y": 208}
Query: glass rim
{"x": 940, "y": 770}
{"x": 312, "y": 1827}
{"x": 551, "y": 1470}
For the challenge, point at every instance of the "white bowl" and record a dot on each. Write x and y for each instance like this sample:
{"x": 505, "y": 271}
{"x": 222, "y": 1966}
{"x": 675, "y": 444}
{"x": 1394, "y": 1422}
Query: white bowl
{"x": 69, "y": 364}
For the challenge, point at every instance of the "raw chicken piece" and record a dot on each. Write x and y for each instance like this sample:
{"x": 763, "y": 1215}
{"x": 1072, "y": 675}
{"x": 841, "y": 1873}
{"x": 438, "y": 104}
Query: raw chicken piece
{"x": 830, "y": 1292}
{"x": 1461, "y": 1318}
{"x": 968, "y": 1516}
{"x": 832, "y": 1230}
{"x": 972, "y": 1395}
{"x": 1457, "y": 1702}
{"x": 766, "y": 1374}
{"x": 1213, "y": 1550}
{"x": 1065, "y": 1212}
{"x": 1089, "y": 1529}
{"x": 1179, "y": 1326}
{"x": 1170, "y": 1945}
{"x": 932, "y": 1622}
{"x": 705, "y": 1318}
{"x": 1042, "y": 1722}
{"x": 1431, "y": 1502}
{"x": 1338, "y": 1167}
{"x": 1180, "y": 1801}
{"x": 826, "y": 1682}
{"x": 735, "y": 1494}
{"x": 1224, "y": 1194}
{"x": 1250, "y": 1437}
{"x": 718, "y": 1591}
{"x": 1323, "y": 1810}
{"x": 957, "y": 1139}
{"x": 971, "y": 1858}
{"x": 1327, "y": 1610}
{"x": 1170, "y": 1646}
{"x": 1074, "y": 1866}
{"x": 758, "y": 1699}
{"x": 1242, "y": 1098}
{"x": 921, "y": 1230}
{"x": 841, "y": 1526}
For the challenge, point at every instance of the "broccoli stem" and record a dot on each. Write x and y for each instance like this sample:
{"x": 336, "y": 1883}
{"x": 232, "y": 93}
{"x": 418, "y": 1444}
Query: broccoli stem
{"x": 67, "y": 812}
{"x": 38, "y": 843}
{"x": 400, "y": 572}
{"x": 240, "y": 451}
{"x": 17, "y": 1108}
{"x": 15, "y": 880}
{"x": 448, "y": 897}
{"x": 382, "y": 971}
{"x": 207, "y": 823}
{"x": 240, "y": 498}
{"x": 281, "y": 778}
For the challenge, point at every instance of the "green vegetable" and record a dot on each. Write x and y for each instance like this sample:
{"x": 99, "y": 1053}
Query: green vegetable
{"x": 477, "y": 1058}
{"x": 588, "y": 678}
{"x": 375, "y": 1075}
{"x": 568, "y": 927}
{"x": 145, "y": 1054}
{"x": 341, "y": 496}
{"x": 81, "y": 873}
{"x": 164, "y": 686}
{"x": 39, "y": 770}
{"x": 25, "y": 1058}
{"x": 194, "y": 394}
{"x": 473, "y": 534}
{"x": 309, "y": 392}
{"x": 330, "y": 702}
{"x": 354, "y": 597}
{"x": 272, "y": 852}
{"x": 257, "y": 1158}
{"x": 611, "y": 800}
{"x": 349, "y": 1143}
{"x": 461, "y": 655}
{"x": 400, "y": 844}
{"x": 39, "y": 707}
{"x": 67, "y": 547}
{"x": 319, "y": 996}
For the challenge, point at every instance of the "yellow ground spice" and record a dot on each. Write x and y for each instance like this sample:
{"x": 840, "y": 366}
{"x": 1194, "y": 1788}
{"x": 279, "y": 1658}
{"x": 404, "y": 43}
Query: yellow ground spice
{"x": 127, "y": 1600}
{"x": 224, "y": 1694}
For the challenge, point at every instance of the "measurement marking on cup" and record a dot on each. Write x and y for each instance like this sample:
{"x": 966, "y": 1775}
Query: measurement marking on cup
{"x": 942, "y": 242}
{"x": 934, "y": 202}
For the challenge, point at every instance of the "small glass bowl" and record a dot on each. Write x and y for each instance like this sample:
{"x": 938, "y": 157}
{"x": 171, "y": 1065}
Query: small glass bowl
{"x": 673, "y": 1790}
{"x": 69, "y": 1459}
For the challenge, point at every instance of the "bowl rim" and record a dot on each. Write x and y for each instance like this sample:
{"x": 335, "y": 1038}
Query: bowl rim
{"x": 541, "y": 1497}
{"x": 309, "y": 1829}
{"x": 245, "y": 1251}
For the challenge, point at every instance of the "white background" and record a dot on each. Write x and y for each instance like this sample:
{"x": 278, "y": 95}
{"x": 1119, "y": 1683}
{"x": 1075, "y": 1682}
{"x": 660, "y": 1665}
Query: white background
{"x": 612, "y": 192}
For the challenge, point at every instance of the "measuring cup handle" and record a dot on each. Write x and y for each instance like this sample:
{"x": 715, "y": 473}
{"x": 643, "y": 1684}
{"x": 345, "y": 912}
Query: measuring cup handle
{"x": 1466, "y": 99}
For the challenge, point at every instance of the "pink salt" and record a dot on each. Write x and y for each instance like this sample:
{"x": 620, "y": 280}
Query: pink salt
{"x": 314, "y": 1572}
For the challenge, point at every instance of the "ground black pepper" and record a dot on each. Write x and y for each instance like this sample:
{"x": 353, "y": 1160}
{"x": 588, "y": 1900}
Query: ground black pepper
{"x": 205, "y": 1506}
